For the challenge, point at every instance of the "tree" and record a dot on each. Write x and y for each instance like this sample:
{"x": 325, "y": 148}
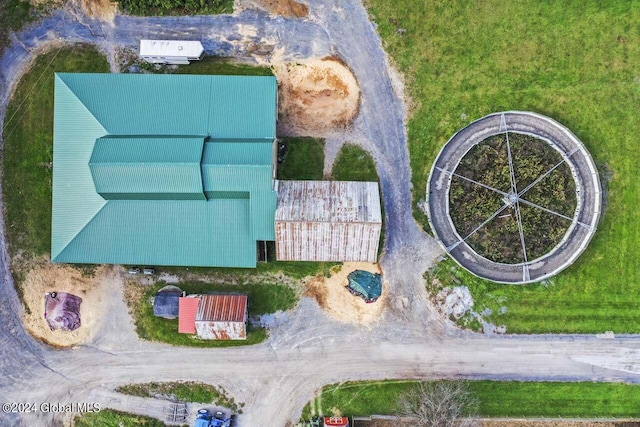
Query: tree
{"x": 440, "y": 404}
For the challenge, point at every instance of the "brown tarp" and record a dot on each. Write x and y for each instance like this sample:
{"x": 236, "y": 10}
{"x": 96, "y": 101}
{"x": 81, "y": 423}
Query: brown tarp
{"x": 62, "y": 310}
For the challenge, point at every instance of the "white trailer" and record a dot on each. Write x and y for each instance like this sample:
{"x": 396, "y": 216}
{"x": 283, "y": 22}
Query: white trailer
{"x": 171, "y": 51}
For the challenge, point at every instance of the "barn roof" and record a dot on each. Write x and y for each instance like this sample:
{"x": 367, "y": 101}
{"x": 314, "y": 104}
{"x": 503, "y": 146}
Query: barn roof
{"x": 162, "y": 169}
{"x": 222, "y": 308}
{"x": 328, "y": 201}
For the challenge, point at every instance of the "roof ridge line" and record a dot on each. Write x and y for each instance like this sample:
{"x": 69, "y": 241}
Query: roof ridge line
{"x": 236, "y": 165}
{"x": 152, "y": 136}
{"x": 150, "y": 163}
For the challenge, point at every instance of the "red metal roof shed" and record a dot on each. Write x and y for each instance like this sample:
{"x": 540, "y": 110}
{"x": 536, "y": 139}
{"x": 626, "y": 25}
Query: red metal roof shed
{"x": 222, "y": 308}
{"x": 187, "y": 310}
{"x": 222, "y": 317}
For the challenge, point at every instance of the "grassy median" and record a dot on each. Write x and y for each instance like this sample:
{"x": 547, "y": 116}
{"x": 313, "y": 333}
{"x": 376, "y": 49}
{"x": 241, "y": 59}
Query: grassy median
{"x": 573, "y": 61}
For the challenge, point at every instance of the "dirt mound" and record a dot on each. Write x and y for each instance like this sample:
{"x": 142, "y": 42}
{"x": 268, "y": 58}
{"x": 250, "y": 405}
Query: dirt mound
{"x": 287, "y": 8}
{"x": 316, "y": 96}
{"x": 47, "y": 277}
{"x": 104, "y": 10}
{"x": 338, "y": 302}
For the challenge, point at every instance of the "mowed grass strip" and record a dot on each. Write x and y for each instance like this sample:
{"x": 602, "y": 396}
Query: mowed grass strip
{"x": 28, "y": 147}
{"x": 575, "y": 62}
{"x": 495, "y": 398}
{"x": 292, "y": 269}
{"x": 262, "y": 299}
{"x": 222, "y": 66}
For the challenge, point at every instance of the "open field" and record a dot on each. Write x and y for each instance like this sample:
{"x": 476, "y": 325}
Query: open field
{"x": 575, "y": 62}
{"x": 263, "y": 299}
{"x": 542, "y": 307}
{"x": 496, "y": 399}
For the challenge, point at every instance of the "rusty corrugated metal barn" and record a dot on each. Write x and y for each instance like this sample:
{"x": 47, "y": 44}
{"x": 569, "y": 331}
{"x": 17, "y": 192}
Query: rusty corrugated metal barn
{"x": 328, "y": 221}
{"x": 222, "y": 317}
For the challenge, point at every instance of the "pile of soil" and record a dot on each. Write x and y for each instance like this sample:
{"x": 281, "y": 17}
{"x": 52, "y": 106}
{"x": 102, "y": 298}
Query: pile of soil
{"x": 316, "y": 96}
{"x": 337, "y": 301}
{"x": 287, "y": 8}
{"x": 48, "y": 277}
{"x": 104, "y": 10}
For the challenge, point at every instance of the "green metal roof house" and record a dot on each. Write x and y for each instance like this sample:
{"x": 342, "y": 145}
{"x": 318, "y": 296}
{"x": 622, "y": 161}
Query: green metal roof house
{"x": 163, "y": 169}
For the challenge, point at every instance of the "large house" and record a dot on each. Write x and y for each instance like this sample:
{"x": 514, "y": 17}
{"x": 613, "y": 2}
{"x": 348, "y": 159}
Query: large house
{"x": 180, "y": 170}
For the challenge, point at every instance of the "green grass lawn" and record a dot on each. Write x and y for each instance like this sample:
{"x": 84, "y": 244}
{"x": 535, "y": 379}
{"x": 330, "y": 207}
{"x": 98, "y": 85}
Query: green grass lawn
{"x": 223, "y": 66}
{"x": 304, "y": 159}
{"x": 496, "y": 399}
{"x": 28, "y": 147}
{"x": 263, "y": 299}
{"x": 292, "y": 269}
{"x": 113, "y": 418}
{"x": 574, "y": 61}
{"x": 354, "y": 164}
{"x": 185, "y": 391}
{"x": 28, "y": 153}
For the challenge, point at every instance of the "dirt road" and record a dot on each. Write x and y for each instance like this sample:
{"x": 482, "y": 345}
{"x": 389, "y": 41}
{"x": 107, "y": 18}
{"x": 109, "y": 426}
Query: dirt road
{"x": 309, "y": 349}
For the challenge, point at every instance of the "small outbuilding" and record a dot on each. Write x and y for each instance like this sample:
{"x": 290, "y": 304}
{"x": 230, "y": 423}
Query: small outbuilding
{"x": 171, "y": 51}
{"x": 222, "y": 317}
{"x": 166, "y": 301}
{"x": 214, "y": 317}
{"x": 328, "y": 221}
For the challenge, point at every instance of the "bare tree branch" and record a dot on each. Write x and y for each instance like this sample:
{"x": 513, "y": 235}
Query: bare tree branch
{"x": 440, "y": 404}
